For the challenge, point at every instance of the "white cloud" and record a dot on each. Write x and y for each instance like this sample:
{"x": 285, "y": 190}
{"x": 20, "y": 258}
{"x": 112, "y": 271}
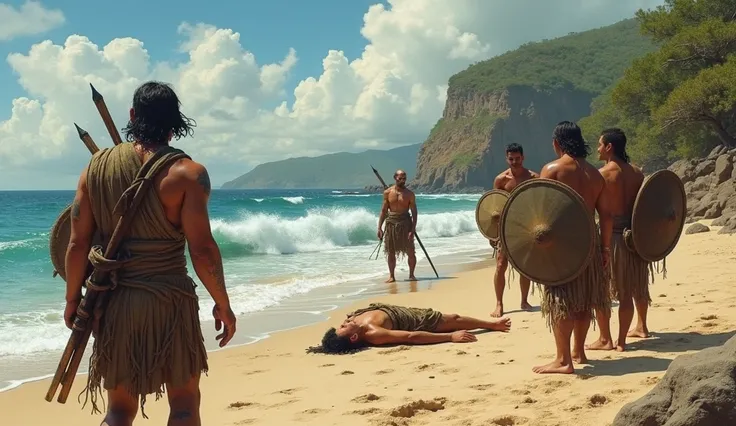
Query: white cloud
{"x": 391, "y": 95}
{"x": 29, "y": 19}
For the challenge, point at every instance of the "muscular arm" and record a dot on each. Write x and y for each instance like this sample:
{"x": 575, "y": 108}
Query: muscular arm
{"x": 498, "y": 182}
{"x": 195, "y": 222}
{"x": 80, "y": 240}
{"x": 381, "y": 336}
{"x": 384, "y": 209}
{"x": 413, "y": 208}
{"x": 549, "y": 171}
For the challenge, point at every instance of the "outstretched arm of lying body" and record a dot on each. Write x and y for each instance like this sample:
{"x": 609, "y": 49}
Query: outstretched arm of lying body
{"x": 382, "y": 336}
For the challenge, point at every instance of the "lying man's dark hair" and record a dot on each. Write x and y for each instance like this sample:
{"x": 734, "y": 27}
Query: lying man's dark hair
{"x": 336, "y": 345}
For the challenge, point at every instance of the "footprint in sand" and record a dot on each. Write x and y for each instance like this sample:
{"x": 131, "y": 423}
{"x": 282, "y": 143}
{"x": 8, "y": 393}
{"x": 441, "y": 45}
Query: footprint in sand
{"x": 508, "y": 420}
{"x": 709, "y": 317}
{"x": 245, "y": 422}
{"x": 366, "y": 398}
{"x": 365, "y": 411}
{"x": 649, "y": 381}
{"x": 425, "y": 367}
{"x": 597, "y": 400}
{"x": 394, "y": 350}
{"x": 250, "y": 373}
{"x": 555, "y": 385}
{"x": 327, "y": 365}
{"x": 289, "y": 391}
{"x": 381, "y": 372}
{"x": 313, "y": 411}
{"x": 528, "y": 400}
{"x": 520, "y": 391}
{"x": 413, "y": 408}
{"x": 482, "y": 387}
{"x": 347, "y": 373}
{"x": 451, "y": 370}
{"x": 622, "y": 391}
{"x": 239, "y": 405}
{"x": 497, "y": 351}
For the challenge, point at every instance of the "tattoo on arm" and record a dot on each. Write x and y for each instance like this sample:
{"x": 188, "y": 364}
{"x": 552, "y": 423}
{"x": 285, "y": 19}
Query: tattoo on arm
{"x": 204, "y": 180}
{"x": 76, "y": 209}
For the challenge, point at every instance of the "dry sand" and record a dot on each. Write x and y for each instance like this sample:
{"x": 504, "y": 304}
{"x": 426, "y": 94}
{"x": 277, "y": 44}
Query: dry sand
{"x": 488, "y": 382}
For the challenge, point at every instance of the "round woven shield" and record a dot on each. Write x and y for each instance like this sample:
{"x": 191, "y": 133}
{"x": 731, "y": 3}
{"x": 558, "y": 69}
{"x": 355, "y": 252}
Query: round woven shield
{"x": 547, "y": 232}
{"x": 59, "y": 240}
{"x": 658, "y": 216}
{"x": 488, "y": 212}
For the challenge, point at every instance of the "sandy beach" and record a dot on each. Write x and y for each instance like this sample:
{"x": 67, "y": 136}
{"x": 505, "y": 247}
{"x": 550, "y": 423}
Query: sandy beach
{"x": 489, "y": 382}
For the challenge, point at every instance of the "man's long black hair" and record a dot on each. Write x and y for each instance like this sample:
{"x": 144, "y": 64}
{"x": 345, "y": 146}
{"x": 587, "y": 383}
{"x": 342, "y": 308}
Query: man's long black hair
{"x": 157, "y": 115}
{"x": 570, "y": 139}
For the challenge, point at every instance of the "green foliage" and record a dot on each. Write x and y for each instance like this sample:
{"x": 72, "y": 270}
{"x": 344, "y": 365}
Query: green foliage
{"x": 590, "y": 61}
{"x": 678, "y": 101}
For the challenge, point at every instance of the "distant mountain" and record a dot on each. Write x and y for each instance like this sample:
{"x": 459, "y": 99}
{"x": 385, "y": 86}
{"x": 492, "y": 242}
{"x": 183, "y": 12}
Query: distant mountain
{"x": 340, "y": 170}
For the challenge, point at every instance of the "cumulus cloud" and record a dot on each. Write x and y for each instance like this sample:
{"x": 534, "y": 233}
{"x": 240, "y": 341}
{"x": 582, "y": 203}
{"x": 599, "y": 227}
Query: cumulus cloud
{"x": 29, "y": 19}
{"x": 391, "y": 95}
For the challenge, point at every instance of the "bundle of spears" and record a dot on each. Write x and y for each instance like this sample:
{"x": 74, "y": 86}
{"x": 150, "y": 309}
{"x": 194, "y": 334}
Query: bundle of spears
{"x": 97, "y": 284}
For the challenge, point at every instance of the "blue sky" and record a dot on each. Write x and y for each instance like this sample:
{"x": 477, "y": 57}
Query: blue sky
{"x": 267, "y": 28}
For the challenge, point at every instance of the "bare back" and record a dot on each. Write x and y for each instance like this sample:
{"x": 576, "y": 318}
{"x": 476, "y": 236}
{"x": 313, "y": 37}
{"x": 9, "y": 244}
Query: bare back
{"x": 579, "y": 175}
{"x": 622, "y": 186}
{"x": 399, "y": 200}
{"x": 508, "y": 182}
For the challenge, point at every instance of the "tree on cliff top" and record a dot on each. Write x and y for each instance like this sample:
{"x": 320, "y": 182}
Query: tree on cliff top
{"x": 679, "y": 101}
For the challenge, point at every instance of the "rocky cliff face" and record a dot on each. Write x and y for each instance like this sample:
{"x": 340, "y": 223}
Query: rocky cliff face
{"x": 466, "y": 148}
{"x": 710, "y": 185}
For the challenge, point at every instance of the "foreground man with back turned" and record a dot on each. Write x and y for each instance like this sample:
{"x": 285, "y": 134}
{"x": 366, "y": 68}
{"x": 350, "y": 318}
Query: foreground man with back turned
{"x": 398, "y": 239}
{"x": 507, "y": 181}
{"x": 629, "y": 272}
{"x": 150, "y": 335}
{"x": 569, "y": 307}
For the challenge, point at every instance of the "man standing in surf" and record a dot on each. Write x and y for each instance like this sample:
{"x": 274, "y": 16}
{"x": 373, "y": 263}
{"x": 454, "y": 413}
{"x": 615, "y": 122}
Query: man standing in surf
{"x": 398, "y": 239}
{"x": 508, "y": 180}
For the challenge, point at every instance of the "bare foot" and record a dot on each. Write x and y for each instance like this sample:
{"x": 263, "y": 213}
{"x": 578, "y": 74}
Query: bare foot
{"x": 501, "y": 324}
{"x": 412, "y": 277}
{"x": 600, "y": 345}
{"x": 620, "y": 348}
{"x": 554, "y": 367}
{"x": 499, "y": 310}
{"x": 638, "y": 332}
{"x": 579, "y": 358}
{"x": 525, "y": 306}
{"x": 391, "y": 280}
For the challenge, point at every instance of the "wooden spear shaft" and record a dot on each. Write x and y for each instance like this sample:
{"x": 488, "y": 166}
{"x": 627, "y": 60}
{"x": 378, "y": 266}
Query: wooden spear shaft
{"x": 77, "y": 343}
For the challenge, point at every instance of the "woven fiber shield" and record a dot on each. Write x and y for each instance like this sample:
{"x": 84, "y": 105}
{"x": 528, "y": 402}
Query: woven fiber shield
{"x": 658, "y": 216}
{"x": 488, "y": 212}
{"x": 547, "y": 232}
{"x": 59, "y": 240}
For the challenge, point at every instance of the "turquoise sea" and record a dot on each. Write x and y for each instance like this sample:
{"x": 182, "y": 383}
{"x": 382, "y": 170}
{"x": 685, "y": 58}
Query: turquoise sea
{"x": 299, "y": 251}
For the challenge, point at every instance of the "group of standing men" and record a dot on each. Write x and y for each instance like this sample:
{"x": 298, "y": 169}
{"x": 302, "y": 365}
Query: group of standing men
{"x": 614, "y": 273}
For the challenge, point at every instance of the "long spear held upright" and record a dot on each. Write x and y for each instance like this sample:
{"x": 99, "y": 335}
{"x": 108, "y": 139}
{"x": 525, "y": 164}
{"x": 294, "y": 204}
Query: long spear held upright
{"x": 415, "y": 232}
{"x": 77, "y": 343}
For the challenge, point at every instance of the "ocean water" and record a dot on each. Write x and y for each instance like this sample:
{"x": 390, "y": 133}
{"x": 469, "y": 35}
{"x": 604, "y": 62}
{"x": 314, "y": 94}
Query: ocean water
{"x": 299, "y": 251}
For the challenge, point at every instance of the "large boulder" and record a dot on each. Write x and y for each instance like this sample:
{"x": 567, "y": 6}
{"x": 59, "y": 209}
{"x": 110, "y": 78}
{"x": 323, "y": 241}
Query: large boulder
{"x": 696, "y": 390}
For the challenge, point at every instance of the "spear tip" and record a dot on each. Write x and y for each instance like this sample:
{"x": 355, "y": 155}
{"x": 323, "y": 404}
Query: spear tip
{"x": 96, "y": 96}
{"x": 82, "y": 133}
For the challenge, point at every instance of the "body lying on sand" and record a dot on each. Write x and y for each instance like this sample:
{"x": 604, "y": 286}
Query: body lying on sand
{"x": 614, "y": 272}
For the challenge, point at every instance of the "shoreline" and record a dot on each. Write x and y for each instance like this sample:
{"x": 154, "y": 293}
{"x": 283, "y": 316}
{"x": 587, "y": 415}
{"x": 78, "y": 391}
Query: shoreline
{"x": 452, "y": 263}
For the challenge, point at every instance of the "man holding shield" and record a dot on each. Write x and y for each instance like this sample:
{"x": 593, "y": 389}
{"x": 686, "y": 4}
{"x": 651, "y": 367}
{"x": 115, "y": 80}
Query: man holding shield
{"x": 507, "y": 181}
{"x": 629, "y": 272}
{"x": 569, "y": 307}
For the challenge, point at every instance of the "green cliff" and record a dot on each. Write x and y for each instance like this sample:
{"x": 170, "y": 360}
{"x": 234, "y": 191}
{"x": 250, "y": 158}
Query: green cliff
{"x": 340, "y": 170}
{"x": 519, "y": 96}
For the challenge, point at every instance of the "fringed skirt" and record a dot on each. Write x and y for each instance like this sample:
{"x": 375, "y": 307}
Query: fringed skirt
{"x": 579, "y": 297}
{"x": 150, "y": 336}
{"x": 396, "y": 239}
{"x": 629, "y": 272}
